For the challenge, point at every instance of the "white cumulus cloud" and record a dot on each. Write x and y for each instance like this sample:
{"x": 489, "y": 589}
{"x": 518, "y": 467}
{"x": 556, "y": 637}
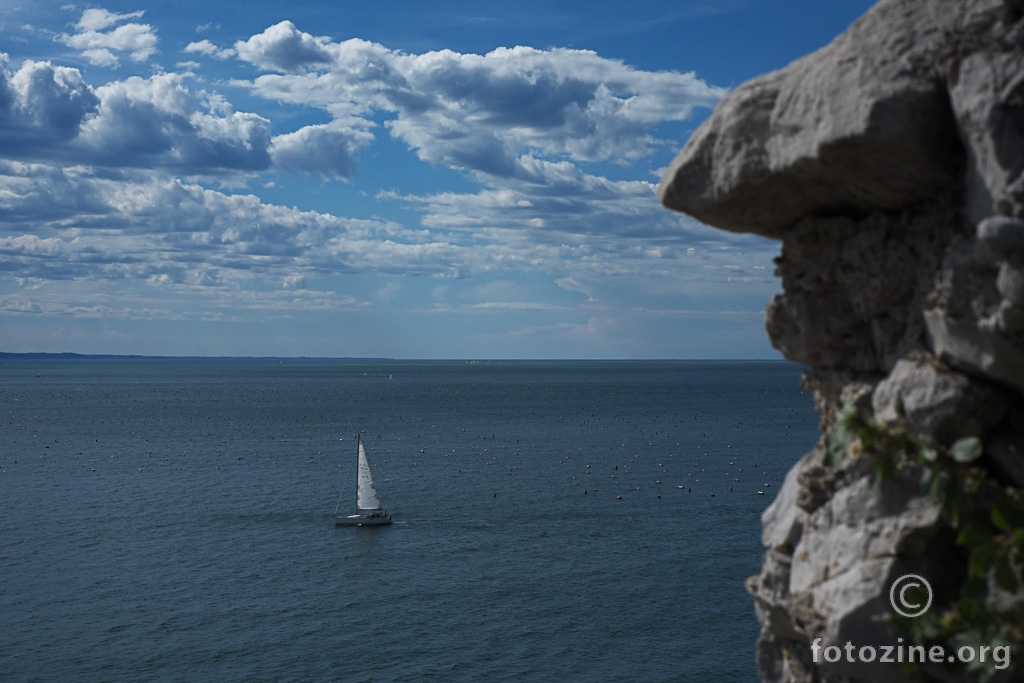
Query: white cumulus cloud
{"x": 480, "y": 112}
{"x": 50, "y": 113}
{"x": 326, "y": 150}
{"x": 42, "y": 105}
{"x": 282, "y": 47}
{"x": 206, "y": 47}
{"x": 155, "y": 122}
{"x": 99, "y": 45}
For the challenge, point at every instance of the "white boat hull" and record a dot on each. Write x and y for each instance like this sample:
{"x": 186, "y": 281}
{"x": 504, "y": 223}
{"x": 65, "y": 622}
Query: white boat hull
{"x": 362, "y": 520}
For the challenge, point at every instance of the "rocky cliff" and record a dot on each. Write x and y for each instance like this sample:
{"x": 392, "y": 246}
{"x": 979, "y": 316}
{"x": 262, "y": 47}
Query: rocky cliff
{"x": 890, "y": 164}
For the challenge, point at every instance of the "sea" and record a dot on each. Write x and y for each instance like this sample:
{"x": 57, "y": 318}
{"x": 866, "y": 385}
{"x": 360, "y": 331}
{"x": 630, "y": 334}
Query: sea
{"x": 172, "y": 519}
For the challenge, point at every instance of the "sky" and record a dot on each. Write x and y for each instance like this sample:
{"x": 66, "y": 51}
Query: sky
{"x": 401, "y": 179}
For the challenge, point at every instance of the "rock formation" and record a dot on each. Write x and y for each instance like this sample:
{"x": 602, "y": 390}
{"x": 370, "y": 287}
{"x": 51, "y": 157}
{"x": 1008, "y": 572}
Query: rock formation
{"x": 890, "y": 164}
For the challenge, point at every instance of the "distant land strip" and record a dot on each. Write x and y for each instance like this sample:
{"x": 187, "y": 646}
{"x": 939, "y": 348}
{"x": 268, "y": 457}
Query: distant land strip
{"x": 6, "y": 355}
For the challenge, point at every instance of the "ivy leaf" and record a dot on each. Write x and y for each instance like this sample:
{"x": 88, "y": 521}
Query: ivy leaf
{"x": 953, "y": 501}
{"x": 967, "y": 449}
{"x": 929, "y": 482}
{"x": 1006, "y": 577}
{"x": 935, "y": 482}
{"x": 1008, "y": 514}
{"x": 972, "y": 535}
{"x": 981, "y": 560}
{"x": 1000, "y": 520}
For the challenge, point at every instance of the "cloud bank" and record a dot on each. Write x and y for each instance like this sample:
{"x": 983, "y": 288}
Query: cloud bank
{"x": 154, "y": 177}
{"x": 480, "y": 113}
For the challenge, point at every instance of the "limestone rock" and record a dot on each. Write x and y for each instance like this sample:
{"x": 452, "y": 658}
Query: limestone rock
{"x": 852, "y": 288}
{"x": 890, "y": 164}
{"x": 865, "y": 122}
{"x": 930, "y": 400}
{"x": 1002, "y": 235}
{"x": 1010, "y": 283}
{"x": 828, "y": 587}
{"x": 981, "y": 351}
{"x": 987, "y": 94}
{"x": 857, "y": 525}
{"x": 770, "y": 591}
{"x": 782, "y": 522}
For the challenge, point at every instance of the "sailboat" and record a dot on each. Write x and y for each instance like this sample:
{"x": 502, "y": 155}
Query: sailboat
{"x": 368, "y": 508}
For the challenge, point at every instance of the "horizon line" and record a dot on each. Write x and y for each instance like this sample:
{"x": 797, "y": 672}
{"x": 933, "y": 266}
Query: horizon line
{"x": 72, "y": 355}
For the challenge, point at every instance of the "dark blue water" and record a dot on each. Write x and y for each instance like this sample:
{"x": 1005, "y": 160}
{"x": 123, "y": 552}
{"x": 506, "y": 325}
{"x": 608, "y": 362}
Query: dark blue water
{"x": 171, "y": 520}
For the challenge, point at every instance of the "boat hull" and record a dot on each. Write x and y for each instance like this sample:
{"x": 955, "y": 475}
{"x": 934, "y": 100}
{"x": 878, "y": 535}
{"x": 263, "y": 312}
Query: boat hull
{"x": 362, "y": 520}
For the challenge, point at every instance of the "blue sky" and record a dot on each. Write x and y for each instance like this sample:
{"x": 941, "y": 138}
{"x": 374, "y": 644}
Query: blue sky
{"x": 401, "y": 179}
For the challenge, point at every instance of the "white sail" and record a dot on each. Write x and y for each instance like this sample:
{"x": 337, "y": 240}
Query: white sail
{"x": 366, "y": 494}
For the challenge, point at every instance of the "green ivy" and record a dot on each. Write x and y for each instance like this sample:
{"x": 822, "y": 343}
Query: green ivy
{"x": 987, "y": 517}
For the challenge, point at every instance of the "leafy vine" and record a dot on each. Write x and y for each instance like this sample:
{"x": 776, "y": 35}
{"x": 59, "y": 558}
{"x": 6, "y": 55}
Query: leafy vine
{"x": 987, "y": 517}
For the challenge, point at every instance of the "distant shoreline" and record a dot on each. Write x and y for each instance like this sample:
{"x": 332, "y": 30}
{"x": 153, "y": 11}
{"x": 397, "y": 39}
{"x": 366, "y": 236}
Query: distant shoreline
{"x": 67, "y": 355}
{"x": 70, "y": 356}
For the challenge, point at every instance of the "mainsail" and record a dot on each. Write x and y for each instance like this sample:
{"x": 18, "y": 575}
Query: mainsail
{"x": 366, "y": 494}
